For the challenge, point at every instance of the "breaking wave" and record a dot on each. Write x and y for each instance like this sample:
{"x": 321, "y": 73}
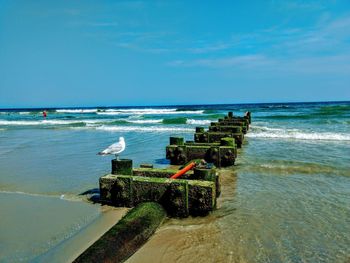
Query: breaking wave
{"x": 198, "y": 122}
{"x": 266, "y": 132}
{"x": 147, "y": 112}
{"x": 82, "y": 122}
{"x": 144, "y": 121}
{"x": 143, "y": 129}
{"x": 76, "y": 110}
{"x": 48, "y": 122}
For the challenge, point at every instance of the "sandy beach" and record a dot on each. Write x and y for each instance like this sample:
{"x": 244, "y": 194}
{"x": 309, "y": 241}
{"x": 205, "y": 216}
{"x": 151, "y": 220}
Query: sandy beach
{"x": 70, "y": 249}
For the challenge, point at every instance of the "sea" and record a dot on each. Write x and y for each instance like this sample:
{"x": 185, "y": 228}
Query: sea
{"x": 287, "y": 199}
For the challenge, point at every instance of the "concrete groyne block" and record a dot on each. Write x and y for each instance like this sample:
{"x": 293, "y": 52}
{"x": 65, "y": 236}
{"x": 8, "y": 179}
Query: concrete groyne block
{"x": 116, "y": 190}
{"x": 210, "y": 137}
{"x": 176, "y": 140}
{"x": 201, "y": 197}
{"x": 220, "y": 156}
{"x": 226, "y": 128}
{"x": 173, "y": 194}
{"x": 122, "y": 166}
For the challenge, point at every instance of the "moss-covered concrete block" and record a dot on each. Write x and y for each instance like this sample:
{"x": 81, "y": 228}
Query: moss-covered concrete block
{"x": 148, "y": 189}
{"x": 176, "y": 154}
{"x": 116, "y": 190}
{"x": 227, "y": 141}
{"x": 154, "y": 172}
{"x": 172, "y": 194}
{"x": 106, "y": 184}
{"x": 179, "y": 197}
{"x": 210, "y": 152}
{"x": 215, "y": 137}
{"x": 192, "y": 143}
{"x": 204, "y": 174}
{"x": 227, "y": 156}
{"x": 175, "y": 200}
{"x": 146, "y": 165}
{"x": 201, "y": 197}
{"x": 201, "y": 137}
{"x": 196, "y": 152}
{"x": 176, "y": 141}
{"x": 122, "y": 166}
{"x": 226, "y": 128}
{"x": 199, "y": 129}
{"x": 240, "y": 121}
{"x": 157, "y": 172}
{"x": 213, "y": 156}
{"x": 170, "y": 152}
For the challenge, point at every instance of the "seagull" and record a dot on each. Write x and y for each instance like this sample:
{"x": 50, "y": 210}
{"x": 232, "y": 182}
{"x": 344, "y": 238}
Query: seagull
{"x": 115, "y": 148}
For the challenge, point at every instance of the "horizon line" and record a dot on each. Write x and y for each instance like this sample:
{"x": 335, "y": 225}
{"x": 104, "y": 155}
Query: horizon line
{"x": 175, "y": 105}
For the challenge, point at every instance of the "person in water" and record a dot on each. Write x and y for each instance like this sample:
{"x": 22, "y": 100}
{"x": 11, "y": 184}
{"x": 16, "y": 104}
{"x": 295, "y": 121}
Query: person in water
{"x": 44, "y": 114}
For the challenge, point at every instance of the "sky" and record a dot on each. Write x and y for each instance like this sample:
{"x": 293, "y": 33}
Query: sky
{"x": 120, "y": 53}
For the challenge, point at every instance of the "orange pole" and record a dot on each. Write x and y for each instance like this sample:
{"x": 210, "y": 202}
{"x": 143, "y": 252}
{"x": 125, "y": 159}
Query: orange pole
{"x": 183, "y": 170}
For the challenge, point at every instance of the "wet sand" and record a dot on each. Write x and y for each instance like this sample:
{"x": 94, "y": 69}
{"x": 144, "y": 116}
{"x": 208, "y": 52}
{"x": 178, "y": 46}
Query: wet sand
{"x": 194, "y": 239}
{"x": 70, "y": 249}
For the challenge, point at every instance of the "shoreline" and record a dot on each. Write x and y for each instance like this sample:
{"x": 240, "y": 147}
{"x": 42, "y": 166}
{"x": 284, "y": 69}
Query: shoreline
{"x": 68, "y": 250}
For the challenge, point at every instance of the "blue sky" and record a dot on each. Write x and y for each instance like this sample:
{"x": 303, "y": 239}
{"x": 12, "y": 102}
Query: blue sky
{"x": 99, "y": 53}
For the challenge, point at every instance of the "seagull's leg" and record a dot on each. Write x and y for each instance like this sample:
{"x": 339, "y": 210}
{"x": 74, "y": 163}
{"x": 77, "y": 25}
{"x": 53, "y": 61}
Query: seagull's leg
{"x": 117, "y": 157}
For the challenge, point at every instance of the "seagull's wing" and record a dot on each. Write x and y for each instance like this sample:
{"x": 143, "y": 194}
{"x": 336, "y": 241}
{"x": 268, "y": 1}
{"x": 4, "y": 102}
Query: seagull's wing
{"x": 112, "y": 149}
{"x": 115, "y": 148}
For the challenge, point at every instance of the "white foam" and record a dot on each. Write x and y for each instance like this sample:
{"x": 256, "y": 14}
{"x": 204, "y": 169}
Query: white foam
{"x": 76, "y": 110}
{"x": 24, "y": 112}
{"x": 5, "y": 122}
{"x": 264, "y": 128}
{"x": 146, "y": 112}
{"x": 143, "y": 129}
{"x": 49, "y": 122}
{"x": 66, "y": 197}
{"x": 145, "y": 121}
{"x": 25, "y": 193}
{"x": 198, "y": 122}
{"x": 265, "y": 132}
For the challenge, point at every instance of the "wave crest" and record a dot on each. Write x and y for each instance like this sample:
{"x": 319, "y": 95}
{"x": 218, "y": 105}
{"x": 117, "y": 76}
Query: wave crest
{"x": 143, "y": 129}
{"x": 147, "y": 112}
{"x": 77, "y": 110}
{"x": 266, "y": 132}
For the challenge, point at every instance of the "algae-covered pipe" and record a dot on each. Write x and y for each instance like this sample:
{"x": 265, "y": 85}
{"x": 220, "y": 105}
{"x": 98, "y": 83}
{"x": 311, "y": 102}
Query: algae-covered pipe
{"x": 128, "y": 235}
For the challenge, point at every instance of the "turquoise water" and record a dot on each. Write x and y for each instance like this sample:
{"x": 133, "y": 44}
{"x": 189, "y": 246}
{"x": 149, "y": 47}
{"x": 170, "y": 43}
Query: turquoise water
{"x": 290, "y": 201}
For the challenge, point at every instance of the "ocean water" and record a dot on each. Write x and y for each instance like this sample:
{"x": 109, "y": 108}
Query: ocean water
{"x": 286, "y": 200}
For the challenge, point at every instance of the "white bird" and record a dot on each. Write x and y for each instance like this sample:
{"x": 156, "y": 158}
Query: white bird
{"x": 115, "y": 148}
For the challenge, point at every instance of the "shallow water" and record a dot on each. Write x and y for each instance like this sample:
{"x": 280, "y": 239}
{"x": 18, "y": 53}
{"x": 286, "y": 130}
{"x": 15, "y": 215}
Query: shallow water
{"x": 286, "y": 200}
